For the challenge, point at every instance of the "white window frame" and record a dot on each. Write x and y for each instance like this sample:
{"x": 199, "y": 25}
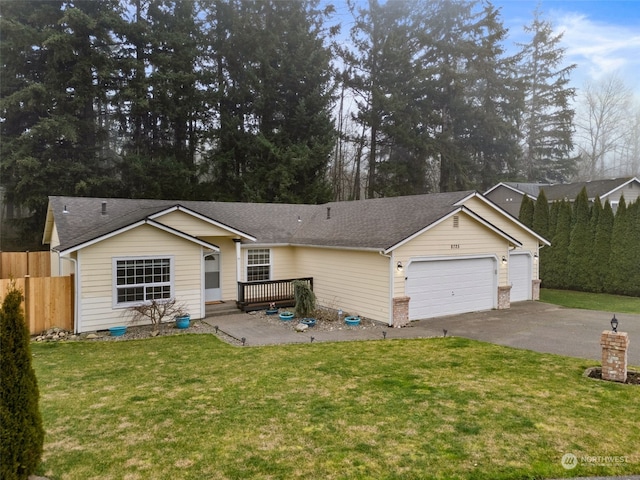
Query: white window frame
{"x": 267, "y": 264}
{"x": 144, "y": 285}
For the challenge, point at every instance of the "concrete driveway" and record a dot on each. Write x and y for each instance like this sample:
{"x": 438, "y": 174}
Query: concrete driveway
{"x": 530, "y": 325}
{"x": 543, "y": 328}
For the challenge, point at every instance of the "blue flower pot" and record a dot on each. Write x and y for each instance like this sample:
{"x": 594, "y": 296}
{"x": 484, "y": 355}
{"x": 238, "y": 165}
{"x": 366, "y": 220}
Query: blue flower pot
{"x": 183, "y": 322}
{"x": 352, "y": 321}
{"x": 117, "y": 331}
{"x": 308, "y": 321}
{"x": 286, "y": 316}
{"x": 272, "y": 312}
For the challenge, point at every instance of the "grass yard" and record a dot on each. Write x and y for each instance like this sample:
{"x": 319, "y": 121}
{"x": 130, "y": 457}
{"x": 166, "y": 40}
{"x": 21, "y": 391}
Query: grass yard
{"x": 591, "y": 301}
{"x": 193, "y": 407}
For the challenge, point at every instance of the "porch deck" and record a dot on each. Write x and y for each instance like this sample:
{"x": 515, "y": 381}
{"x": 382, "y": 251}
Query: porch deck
{"x": 258, "y": 295}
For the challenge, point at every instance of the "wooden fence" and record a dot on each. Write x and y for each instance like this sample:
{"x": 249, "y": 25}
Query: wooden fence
{"x": 48, "y": 301}
{"x": 21, "y": 264}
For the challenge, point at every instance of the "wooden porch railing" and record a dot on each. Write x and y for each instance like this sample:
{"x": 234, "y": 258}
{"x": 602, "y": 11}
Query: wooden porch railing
{"x": 258, "y": 295}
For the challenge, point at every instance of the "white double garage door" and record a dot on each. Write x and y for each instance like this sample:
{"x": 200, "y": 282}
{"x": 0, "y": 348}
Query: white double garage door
{"x": 447, "y": 287}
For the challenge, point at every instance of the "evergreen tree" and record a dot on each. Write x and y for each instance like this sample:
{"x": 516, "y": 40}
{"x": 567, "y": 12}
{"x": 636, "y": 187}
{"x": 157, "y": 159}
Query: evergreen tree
{"x": 275, "y": 141}
{"x": 620, "y": 258}
{"x": 527, "y": 208}
{"x": 55, "y": 79}
{"x": 495, "y": 95}
{"x": 557, "y": 269}
{"x": 547, "y": 118}
{"x": 581, "y": 242}
{"x": 540, "y": 222}
{"x": 159, "y": 104}
{"x": 21, "y": 432}
{"x": 591, "y": 280}
{"x": 546, "y": 253}
{"x": 633, "y": 281}
{"x": 602, "y": 249}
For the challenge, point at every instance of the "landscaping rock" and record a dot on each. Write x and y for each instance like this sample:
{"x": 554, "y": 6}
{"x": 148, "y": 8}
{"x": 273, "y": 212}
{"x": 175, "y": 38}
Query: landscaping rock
{"x": 54, "y": 335}
{"x": 91, "y": 336}
{"x": 301, "y": 327}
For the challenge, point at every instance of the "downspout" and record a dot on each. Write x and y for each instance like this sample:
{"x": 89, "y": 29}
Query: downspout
{"x": 76, "y": 303}
{"x": 391, "y": 286}
{"x": 238, "y": 259}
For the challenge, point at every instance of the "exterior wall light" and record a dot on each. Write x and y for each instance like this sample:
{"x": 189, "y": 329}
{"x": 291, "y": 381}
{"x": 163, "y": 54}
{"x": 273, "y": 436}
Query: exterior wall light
{"x": 504, "y": 260}
{"x": 614, "y": 323}
{"x": 399, "y": 267}
{"x": 535, "y": 257}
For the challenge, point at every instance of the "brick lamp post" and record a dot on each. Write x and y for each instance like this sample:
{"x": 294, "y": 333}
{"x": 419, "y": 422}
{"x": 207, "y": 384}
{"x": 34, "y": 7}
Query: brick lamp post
{"x": 614, "y": 353}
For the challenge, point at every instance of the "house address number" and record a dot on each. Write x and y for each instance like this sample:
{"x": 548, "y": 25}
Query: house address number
{"x": 455, "y": 246}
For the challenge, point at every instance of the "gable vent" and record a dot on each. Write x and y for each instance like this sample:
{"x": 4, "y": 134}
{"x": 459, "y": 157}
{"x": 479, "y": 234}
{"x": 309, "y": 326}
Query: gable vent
{"x": 456, "y": 221}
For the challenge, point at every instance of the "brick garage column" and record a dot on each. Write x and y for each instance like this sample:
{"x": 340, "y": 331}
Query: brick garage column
{"x": 535, "y": 289}
{"x": 614, "y": 355}
{"x": 504, "y": 297}
{"x": 400, "y": 311}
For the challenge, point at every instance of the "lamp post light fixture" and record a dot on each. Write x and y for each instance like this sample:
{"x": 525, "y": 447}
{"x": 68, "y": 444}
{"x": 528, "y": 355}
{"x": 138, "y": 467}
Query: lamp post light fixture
{"x": 614, "y": 323}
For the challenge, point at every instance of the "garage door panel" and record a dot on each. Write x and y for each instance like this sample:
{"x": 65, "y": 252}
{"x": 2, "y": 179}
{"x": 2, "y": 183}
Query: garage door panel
{"x": 520, "y": 277}
{"x": 447, "y": 287}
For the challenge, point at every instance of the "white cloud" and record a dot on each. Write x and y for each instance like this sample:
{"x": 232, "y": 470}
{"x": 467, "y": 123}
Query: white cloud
{"x": 600, "y": 49}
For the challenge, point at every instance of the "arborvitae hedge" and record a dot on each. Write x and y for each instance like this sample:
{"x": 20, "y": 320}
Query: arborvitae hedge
{"x": 580, "y": 244}
{"x": 592, "y": 249}
{"x": 21, "y": 432}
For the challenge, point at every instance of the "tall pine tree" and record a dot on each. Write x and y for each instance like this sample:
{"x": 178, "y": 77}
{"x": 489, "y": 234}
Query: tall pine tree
{"x": 547, "y": 119}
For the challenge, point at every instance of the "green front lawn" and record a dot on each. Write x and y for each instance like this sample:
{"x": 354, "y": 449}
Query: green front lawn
{"x": 591, "y": 301}
{"x": 194, "y": 407}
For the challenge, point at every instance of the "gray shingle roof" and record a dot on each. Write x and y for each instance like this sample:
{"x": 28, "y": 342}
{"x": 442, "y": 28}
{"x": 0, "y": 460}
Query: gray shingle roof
{"x": 596, "y": 188}
{"x": 374, "y": 223}
{"x": 532, "y": 189}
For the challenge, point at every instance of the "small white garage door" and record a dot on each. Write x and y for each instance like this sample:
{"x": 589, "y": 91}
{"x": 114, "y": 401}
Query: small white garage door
{"x": 447, "y": 287}
{"x": 520, "y": 277}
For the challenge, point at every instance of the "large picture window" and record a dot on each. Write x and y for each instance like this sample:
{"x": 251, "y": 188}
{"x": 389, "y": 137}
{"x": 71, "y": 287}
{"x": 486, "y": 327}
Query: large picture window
{"x": 142, "y": 279}
{"x": 258, "y": 265}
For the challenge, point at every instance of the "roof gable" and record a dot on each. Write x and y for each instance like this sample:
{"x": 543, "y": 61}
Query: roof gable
{"x": 202, "y": 226}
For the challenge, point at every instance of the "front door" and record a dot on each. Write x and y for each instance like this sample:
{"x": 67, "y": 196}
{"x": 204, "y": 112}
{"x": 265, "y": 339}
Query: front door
{"x": 212, "y": 291}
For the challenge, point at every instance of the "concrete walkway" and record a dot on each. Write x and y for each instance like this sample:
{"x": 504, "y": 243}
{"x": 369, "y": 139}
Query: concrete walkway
{"x": 530, "y": 325}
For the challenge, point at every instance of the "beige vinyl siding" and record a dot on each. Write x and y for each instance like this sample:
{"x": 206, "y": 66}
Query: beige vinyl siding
{"x": 96, "y": 264}
{"x": 356, "y": 282}
{"x": 55, "y": 241}
{"x": 283, "y": 263}
{"x": 444, "y": 240}
{"x": 192, "y": 225}
{"x": 529, "y": 242}
{"x": 630, "y": 192}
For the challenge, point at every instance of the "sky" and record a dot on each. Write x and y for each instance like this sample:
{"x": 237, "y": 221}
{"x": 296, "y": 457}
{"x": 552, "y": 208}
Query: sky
{"x": 601, "y": 37}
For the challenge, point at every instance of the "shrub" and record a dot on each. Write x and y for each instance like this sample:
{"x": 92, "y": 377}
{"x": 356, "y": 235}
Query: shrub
{"x": 155, "y": 311}
{"x": 21, "y": 432}
{"x": 304, "y": 297}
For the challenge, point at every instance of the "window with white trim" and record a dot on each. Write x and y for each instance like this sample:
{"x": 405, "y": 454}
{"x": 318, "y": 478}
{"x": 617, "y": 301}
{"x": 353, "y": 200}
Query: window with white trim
{"x": 142, "y": 279}
{"x": 258, "y": 264}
